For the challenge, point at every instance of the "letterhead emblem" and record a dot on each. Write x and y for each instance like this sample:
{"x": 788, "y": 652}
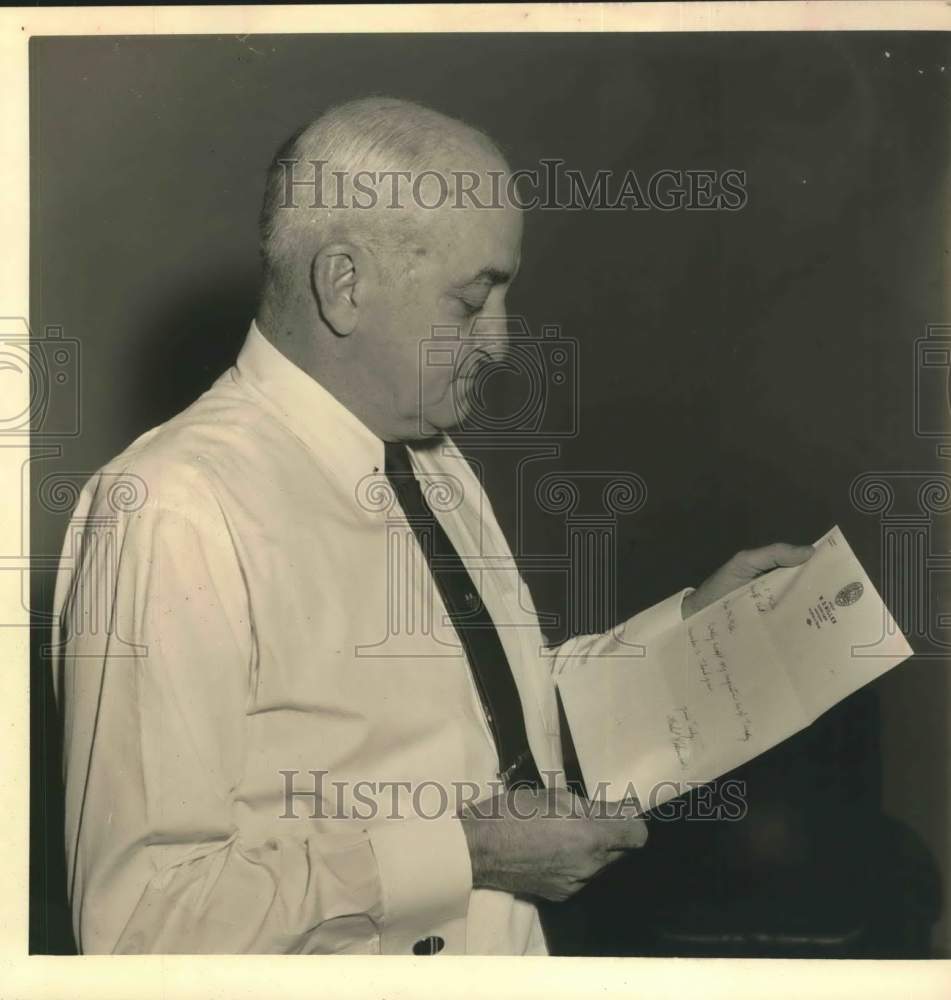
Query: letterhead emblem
{"x": 849, "y": 594}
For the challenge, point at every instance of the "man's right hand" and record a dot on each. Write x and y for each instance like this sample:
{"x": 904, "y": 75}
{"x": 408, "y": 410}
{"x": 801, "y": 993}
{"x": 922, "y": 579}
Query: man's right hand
{"x": 544, "y": 844}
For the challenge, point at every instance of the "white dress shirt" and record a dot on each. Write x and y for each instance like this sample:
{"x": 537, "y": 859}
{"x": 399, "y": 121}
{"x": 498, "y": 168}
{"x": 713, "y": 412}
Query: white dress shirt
{"x": 241, "y": 612}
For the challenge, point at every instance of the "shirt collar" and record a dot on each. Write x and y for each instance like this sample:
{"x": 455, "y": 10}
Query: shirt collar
{"x": 317, "y": 417}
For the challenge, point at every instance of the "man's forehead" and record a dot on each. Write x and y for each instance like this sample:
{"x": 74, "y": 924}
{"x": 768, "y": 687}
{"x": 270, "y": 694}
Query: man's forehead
{"x": 483, "y": 245}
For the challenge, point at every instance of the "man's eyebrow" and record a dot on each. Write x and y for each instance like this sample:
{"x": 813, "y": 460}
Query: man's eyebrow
{"x": 490, "y": 274}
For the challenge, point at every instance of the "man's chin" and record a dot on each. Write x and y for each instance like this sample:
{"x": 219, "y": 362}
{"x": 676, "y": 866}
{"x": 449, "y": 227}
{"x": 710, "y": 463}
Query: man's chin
{"x": 450, "y": 415}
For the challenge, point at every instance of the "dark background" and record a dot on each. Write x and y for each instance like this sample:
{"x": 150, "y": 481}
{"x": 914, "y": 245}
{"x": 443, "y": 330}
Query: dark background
{"x": 747, "y": 365}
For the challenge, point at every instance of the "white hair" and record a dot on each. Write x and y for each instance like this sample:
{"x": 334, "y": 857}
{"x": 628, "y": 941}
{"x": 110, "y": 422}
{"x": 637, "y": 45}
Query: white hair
{"x": 303, "y": 208}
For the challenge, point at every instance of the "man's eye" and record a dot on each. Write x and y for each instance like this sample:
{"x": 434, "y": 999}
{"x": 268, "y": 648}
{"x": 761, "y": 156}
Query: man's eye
{"x": 471, "y": 308}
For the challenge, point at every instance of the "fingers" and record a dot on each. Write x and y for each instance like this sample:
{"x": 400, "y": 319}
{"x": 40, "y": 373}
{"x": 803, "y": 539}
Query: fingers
{"x": 771, "y": 556}
{"x": 636, "y": 830}
{"x": 625, "y": 834}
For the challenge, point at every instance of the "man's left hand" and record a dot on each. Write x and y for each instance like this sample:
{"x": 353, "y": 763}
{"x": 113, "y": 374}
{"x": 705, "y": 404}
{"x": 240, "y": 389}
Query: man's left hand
{"x": 742, "y": 568}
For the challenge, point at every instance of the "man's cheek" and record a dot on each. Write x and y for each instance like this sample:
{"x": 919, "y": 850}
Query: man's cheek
{"x": 463, "y": 401}
{"x": 445, "y": 403}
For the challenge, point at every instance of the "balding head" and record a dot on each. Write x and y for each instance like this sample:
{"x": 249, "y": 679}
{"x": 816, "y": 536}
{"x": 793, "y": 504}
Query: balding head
{"x": 373, "y": 171}
{"x": 374, "y": 246}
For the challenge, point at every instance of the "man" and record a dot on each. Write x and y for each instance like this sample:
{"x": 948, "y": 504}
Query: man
{"x": 257, "y": 747}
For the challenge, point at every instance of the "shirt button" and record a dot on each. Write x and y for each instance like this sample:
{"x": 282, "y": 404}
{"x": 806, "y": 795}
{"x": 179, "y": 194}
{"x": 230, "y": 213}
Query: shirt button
{"x": 429, "y": 946}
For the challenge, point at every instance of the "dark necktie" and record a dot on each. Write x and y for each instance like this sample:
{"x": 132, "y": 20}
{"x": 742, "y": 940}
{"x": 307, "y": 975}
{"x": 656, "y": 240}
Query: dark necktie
{"x": 472, "y": 622}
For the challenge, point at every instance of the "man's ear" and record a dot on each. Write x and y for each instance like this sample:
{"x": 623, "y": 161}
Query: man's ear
{"x": 334, "y": 277}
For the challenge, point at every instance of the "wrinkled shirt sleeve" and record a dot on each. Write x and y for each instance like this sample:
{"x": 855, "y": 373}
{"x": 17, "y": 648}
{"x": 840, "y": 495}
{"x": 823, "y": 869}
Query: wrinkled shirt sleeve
{"x": 632, "y": 638}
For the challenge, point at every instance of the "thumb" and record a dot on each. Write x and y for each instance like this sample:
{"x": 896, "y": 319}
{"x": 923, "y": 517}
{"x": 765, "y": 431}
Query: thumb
{"x": 771, "y": 556}
{"x": 627, "y": 832}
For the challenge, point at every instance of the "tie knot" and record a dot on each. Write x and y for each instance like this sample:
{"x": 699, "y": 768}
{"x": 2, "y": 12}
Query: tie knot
{"x": 396, "y": 458}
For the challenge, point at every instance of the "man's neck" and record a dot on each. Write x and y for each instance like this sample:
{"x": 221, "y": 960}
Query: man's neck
{"x": 318, "y": 352}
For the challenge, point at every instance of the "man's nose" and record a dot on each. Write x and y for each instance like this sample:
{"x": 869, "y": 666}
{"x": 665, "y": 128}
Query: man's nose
{"x": 496, "y": 348}
{"x": 490, "y": 336}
